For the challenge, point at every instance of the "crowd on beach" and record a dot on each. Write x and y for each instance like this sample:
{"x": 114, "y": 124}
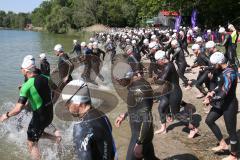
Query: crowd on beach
{"x": 141, "y": 57}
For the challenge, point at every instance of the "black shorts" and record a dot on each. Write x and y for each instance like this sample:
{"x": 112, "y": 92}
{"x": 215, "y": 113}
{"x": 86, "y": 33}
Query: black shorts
{"x": 37, "y": 126}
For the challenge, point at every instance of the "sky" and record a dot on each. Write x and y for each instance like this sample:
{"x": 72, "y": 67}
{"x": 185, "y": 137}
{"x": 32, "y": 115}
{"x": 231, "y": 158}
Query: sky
{"x": 19, "y": 5}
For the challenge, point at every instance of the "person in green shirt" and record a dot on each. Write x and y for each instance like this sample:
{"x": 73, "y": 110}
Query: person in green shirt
{"x": 36, "y": 90}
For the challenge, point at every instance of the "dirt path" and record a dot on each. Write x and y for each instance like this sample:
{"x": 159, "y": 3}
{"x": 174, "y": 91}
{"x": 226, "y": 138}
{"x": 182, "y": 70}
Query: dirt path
{"x": 175, "y": 145}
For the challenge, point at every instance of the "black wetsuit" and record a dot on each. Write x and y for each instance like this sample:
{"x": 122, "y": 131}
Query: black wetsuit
{"x": 37, "y": 91}
{"x": 65, "y": 67}
{"x": 180, "y": 60}
{"x": 225, "y": 103}
{"x": 140, "y": 101}
{"x": 87, "y": 64}
{"x": 202, "y": 60}
{"x": 77, "y": 49}
{"x": 171, "y": 101}
{"x": 96, "y": 61}
{"x": 111, "y": 47}
{"x": 92, "y": 137}
{"x": 227, "y": 43}
{"x": 184, "y": 44}
{"x": 45, "y": 67}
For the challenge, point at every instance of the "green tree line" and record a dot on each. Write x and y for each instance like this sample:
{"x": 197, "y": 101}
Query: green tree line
{"x": 13, "y": 20}
{"x": 60, "y": 16}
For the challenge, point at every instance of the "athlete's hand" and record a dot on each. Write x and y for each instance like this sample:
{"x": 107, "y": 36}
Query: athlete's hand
{"x": 138, "y": 151}
{"x": 210, "y": 94}
{"x": 3, "y": 117}
{"x": 206, "y": 101}
{"x": 119, "y": 120}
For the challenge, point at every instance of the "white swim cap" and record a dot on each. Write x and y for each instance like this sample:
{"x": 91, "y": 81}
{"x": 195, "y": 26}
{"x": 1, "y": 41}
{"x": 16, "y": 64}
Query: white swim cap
{"x": 58, "y": 48}
{"x": 210, "y": 44}
{"x": 195, "y": 47}
{"x": 83, "y": 44}
{"x": 199, "y": 39}
{"x": 221, "y": 30}
{"x": 217, "y": 58}
{"x": 28, "y": 63}
{"x": 82, "y": 96}
{"x": 42, "y": 56}
{"x": 159, "y": 55}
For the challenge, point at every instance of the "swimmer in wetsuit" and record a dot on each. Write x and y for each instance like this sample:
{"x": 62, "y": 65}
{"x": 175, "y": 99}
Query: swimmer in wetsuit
{"x": 96, "y": 61}
{"x": 140, "y": 101}
{"x": 44, "y": 64}
{"x": 171, "y": 101}
{"x": 92, "y": 133}
{"x": 201, "y": 62}
{"x": 37, "y": 91}
{"x": 65, "y": 67}
{"x": 179, "y": 58}
{"x": 224, "y": 103}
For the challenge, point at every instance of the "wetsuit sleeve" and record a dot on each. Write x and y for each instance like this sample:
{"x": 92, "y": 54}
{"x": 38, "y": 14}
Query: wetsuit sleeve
{"x": 23, "y": 94}
{"x": 74, "y": 49}
{"x": 225, "y": 41}
{"x": 206, "y": 59}
{"x": 70, "y": 66}
{"x": 176, "y": 53}
{"x": 103, "y": 53}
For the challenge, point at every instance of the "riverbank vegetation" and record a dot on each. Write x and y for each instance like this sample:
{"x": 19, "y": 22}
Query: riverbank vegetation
{"x": 61, "y": 16}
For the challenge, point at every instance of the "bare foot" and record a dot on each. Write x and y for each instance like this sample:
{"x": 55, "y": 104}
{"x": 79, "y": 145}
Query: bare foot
{"x": 58, "y": 139}
{"x": 192, "y": 133}
{"x": 230, "y": 157}
{"x": 162, "y": 130}
{"x": 201, "y": 95}
{"x": 188, "y": 88}
{"x": 220, "y": 148}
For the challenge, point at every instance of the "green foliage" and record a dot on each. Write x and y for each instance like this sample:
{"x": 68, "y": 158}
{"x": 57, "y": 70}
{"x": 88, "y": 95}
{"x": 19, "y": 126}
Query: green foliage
{"x": 60, "y": 16}
{"x": 12, "y": 20}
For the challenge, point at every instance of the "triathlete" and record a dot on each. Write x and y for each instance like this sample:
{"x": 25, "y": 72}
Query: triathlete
{"x": 76, "y": 47}
{"x": 227, "y": 43}
{"x": 224, "y": 103}
{"x": 139, "y": 101}
{"x": 96, "y": 61}
{"x": 201, "y": 61}
{"x": 44, "y": 64}
{"x": 180, "y": 61}
{"x": 36, "y": 90}
{"x": 172, "y": 100}
{"x": 65, "y": 67}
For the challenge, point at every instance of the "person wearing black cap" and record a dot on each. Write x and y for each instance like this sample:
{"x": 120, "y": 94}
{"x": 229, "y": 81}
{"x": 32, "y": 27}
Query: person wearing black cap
{"x": 92, "y": 133}
{"x": 139, "y": 101}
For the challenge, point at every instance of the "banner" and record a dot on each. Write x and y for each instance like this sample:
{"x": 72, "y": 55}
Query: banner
{"x": 194, "y": 18}
{"x": 178, "y": 22}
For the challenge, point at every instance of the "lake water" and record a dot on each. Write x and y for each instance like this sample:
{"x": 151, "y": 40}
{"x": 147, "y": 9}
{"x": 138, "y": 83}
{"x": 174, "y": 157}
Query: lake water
{"x": 14, "y": 45}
